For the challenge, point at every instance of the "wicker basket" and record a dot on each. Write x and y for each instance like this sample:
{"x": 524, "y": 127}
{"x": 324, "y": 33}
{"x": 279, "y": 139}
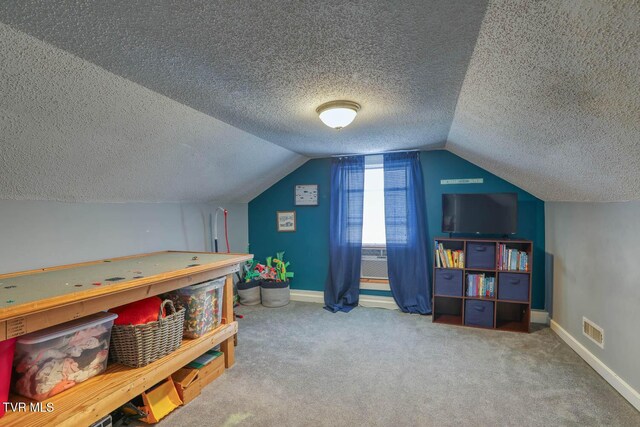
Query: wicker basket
{"x": 139, "y": 345}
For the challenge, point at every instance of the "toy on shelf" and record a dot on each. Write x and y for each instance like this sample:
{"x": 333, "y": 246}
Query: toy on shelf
{"x": 203, "y": 305}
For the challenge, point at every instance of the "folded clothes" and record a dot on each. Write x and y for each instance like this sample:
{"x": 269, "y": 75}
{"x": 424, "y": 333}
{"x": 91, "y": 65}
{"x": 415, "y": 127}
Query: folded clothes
{"x": 59, "y": 364}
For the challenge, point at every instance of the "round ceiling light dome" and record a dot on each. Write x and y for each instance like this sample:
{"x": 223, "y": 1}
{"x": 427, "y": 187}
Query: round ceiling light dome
{"x": 338, "y": 114}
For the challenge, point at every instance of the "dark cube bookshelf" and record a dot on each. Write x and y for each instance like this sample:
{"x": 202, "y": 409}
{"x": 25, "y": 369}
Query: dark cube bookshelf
{"x": 503, "y": 303}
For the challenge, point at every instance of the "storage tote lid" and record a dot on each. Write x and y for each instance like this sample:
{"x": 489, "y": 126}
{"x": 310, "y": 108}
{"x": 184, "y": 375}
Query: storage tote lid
{"x": 211, "y": 284}
{"x": 66, "y": 328}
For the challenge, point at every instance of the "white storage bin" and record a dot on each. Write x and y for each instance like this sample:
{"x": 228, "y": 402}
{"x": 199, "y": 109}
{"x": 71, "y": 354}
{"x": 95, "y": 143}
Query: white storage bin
{"x": 52, "y": 360}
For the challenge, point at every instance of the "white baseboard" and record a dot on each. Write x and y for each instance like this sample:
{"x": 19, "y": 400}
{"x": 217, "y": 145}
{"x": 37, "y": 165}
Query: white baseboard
{"x": 605, "y": 372}
{"x": 373, "y": 301}
{"x": 372, "y": 286}
{"x": 376, "y": 301}
{"x": 307, "y": 296}
{"x": 539, "y": 316}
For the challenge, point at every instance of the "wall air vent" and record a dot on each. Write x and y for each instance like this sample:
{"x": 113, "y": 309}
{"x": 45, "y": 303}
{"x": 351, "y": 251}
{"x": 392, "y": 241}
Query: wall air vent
{"x": 592, "y": 331}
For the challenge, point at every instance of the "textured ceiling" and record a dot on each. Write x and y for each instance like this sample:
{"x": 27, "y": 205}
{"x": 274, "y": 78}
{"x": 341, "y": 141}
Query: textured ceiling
{"x": 264, "y": 66}
{"x": 72, "y": 131}
{"x": 551, "y": 100}
{"x": 176, "y": 100}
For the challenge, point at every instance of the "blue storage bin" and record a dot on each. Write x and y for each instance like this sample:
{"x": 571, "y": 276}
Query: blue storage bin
{"x": 448, "y": 282}
{"x": 478, "y": 313}
{"x": 481, "y": 255}
{"x": 513, "y": 286}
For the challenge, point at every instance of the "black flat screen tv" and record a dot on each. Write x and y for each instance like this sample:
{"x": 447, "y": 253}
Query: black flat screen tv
{"x": 487, "y": 213}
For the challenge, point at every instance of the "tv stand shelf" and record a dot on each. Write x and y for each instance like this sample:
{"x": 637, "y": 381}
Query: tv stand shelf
{"x": 503, "y": 303}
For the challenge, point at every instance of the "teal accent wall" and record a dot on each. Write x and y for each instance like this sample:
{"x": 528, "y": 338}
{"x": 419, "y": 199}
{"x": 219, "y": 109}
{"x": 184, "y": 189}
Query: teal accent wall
{"x": 308, "y": 248}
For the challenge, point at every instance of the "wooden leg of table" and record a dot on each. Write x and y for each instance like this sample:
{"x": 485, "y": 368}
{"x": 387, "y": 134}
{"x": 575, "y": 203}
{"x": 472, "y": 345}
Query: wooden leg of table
{"x": 227, "y": 346}
{"x": 229, "y": 350}
{"x": 235, "y": 336}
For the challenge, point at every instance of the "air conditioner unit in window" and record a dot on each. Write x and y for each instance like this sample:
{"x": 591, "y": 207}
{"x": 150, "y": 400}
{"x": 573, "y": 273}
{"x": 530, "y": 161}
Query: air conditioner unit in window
{"x": 374, "y": 263}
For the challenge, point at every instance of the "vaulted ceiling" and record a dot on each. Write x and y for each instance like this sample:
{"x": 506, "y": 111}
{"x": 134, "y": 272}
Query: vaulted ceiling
{"x": 71, "y": 131}
{"x": 176, "y": 100}
{"x": 551, "y": 99}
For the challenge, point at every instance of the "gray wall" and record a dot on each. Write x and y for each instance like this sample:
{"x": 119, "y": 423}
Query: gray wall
{"x": 596, "y": 274}
{"x": 35, "y": 234}
{"x": 238, "y": 219}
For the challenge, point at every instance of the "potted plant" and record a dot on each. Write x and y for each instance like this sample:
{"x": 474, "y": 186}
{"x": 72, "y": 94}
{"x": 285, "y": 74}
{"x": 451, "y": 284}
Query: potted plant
{"x": 274, "y": 289}
{"x": 249, "y": 287}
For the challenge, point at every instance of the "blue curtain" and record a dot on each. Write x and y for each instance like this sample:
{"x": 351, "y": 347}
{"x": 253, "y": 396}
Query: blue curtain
{"x": 405, "y": 223}
{"x": 345, "y": 234}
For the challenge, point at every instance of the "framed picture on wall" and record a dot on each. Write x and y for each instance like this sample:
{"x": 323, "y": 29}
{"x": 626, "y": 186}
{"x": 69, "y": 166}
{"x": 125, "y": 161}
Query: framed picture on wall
{"x": 306, "y": 195}
{"x": 286, "y": 220}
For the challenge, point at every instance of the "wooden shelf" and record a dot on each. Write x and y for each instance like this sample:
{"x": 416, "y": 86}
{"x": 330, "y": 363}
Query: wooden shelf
{"x": 512, "y": 302}
{"x": 486, "y": 270}
{"x": 448, "y": 310}
{"x": 481, "y": 298}
{"x": 512, "y": 326}
{"x": 91, "y": 400}
{"x": 448, "y": 319}
{"x": 46, "y": 300}
{"x": 508, "y": 315}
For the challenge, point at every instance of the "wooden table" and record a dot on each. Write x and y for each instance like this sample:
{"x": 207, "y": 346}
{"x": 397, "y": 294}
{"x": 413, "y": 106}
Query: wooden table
{"x": 36, "y": 299}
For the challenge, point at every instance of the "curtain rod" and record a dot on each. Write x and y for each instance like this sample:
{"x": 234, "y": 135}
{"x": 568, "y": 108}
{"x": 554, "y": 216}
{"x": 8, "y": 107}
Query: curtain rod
{"x": 377, "y": 154}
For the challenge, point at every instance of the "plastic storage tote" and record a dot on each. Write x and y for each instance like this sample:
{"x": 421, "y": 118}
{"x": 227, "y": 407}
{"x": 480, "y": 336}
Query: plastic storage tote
{"x": 6, "y": 357}
{"x": 52, "y": 360}
{"x": 203, "y": 306}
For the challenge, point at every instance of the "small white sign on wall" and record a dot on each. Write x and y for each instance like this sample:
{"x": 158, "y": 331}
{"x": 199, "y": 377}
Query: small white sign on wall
{"x": 462, "y": 181}
{"x": 306, "y": 195}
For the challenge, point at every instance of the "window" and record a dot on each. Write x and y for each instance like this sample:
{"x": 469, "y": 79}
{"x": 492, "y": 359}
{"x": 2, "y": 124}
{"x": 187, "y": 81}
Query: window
{"x": 373, "y": 228}
{"x": 374, "y": 272}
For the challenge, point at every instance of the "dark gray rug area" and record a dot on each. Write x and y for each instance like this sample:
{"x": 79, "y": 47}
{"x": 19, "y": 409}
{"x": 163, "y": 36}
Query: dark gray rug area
{"x": 301, "y": 365}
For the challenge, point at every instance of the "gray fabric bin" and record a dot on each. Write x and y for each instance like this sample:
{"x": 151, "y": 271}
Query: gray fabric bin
{"x": 275, "y": 294}
{"x": 249, "y": 292}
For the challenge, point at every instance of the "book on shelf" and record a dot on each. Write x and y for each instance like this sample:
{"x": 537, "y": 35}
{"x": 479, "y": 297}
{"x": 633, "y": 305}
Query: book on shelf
{"x": 481, "y": 285}
{"x": 512, "y": 259}
{"x": 448, "y": 258}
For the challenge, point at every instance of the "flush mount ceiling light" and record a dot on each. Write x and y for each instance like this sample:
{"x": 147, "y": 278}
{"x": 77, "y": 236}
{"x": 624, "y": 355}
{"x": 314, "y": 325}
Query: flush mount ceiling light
{"x": 338, "y": 114}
